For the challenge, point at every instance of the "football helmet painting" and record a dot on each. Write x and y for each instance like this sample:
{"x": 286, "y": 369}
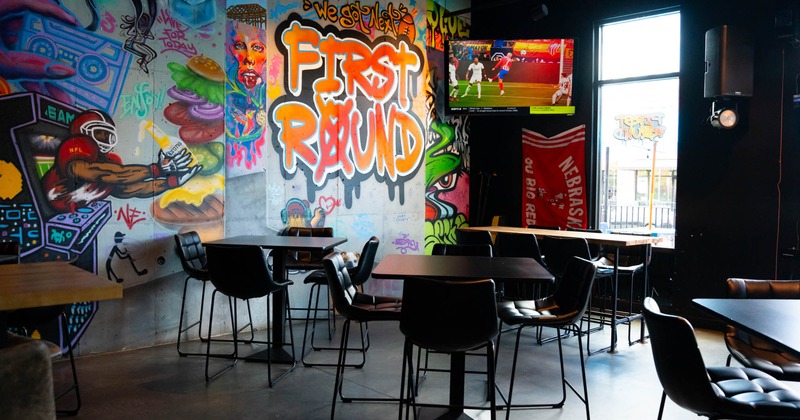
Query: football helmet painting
{"x": 99, "y": 126}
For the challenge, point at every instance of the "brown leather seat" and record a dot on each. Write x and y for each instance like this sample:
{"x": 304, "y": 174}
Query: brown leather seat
{"x": 714, "y": 392}
{"x": 751, "y": 351}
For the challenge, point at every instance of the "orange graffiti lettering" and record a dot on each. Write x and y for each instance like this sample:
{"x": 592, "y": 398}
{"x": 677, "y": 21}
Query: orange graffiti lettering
{"x": 377, "y": 73}
{"x": 358, "y": 120}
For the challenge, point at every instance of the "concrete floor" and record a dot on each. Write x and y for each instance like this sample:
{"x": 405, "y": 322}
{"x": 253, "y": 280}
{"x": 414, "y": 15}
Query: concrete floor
{"x": 155, "y": 383}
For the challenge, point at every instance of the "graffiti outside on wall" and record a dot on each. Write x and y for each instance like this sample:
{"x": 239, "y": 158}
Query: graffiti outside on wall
{"x": 347, "y": 112}
{"x": 367, "y": 18}
{"x": 441, "y": 28}
{"x": 640, "y": 127}
{"x": 245, "y": 113}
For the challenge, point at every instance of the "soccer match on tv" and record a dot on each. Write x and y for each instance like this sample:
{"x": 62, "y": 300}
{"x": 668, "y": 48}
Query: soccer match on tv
{"x": 532, "y": 76}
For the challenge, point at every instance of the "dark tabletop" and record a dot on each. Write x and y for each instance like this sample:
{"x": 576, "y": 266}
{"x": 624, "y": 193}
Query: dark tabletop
{"x": 773, "y": 320}
{"x": 282, "y": 242}
{"x": 460, "y": 267}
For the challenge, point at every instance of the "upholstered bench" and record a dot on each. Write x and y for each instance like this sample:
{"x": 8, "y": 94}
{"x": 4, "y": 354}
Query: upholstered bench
{"x": 26, "y": 380}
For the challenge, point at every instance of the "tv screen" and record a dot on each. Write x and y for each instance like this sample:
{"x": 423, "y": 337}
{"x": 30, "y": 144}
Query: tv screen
{"x": 510, "y": 77}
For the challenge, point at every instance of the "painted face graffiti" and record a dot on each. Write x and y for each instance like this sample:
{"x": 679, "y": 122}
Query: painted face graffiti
{"x": 357, "y": 119}
{"x": 251, "y": 54}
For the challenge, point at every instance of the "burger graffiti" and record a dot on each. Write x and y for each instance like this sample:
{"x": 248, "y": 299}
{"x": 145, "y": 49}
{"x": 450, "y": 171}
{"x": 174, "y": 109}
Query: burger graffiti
{"x": 355, "y": 121}
{"x": 198, "y": 111}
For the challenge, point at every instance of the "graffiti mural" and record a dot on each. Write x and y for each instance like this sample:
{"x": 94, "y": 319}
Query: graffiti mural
{"x": 348, "y": 112}
{"x": 299, "y": 213}
{"x": 121, "y": 252}
{"x": 447, "y": 151}
{"x": 66, "y": 62}
{"x": 441, "y": 28}
{"x": 245, "y": 96}
{"x": 138, "y": 30}
{"x": 78, "y": 81}
{"x": 173, "y": 35}
{"x": 367, "y": 18}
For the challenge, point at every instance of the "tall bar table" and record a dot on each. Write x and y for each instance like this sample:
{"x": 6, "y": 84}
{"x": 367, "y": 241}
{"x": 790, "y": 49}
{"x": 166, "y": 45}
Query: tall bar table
{"x": 447, "y": 267}
{"x": 32, "y": 285}
{"x": 280, "y": 246}
{"x": 607, "y": 239}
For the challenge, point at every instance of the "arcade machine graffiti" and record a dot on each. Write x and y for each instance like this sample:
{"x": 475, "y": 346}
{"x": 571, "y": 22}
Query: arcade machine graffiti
{"x": 31, "y": 130}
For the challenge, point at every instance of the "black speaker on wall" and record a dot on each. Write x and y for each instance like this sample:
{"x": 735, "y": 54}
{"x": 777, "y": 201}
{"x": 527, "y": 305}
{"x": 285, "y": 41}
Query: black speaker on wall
{"x": 729, "y": 62}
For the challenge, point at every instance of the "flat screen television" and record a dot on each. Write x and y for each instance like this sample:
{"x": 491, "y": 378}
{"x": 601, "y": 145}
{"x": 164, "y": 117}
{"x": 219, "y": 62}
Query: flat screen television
{"x": 518, "y": 76}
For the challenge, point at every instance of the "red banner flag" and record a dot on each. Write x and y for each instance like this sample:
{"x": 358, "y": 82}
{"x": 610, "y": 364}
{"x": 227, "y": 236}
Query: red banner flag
{"x": 553, "y": 181}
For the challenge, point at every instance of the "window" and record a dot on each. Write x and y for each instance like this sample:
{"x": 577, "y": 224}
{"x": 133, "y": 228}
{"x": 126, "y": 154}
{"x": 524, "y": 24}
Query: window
{"x": 637, "y": 93}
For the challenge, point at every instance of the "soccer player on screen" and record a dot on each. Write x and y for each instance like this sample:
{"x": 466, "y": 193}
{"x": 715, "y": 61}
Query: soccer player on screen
{"x": 476, "y": 69}
{"x": 505, "y": 65}
{"x": 453, "y": 79}
{"x": 564, "y": 87}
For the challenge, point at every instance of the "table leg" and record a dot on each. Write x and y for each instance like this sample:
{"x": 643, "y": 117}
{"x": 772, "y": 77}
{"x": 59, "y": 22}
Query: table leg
{"x": 613, "y": 347}
{"x": 278, "y": 353}
{"x": 457, "y": 372}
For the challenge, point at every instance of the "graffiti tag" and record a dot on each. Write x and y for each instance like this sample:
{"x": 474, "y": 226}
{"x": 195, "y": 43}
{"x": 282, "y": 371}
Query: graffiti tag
{"x": 405, "y": 244}
{"x": 441, "y": 28}
{"x": 173, "y": 36}
{"x": 130, "y": 215}
{"x": 108, "y": 23}
{"x": 143, "y": 101}
{"x": 329, "y": 203}
{"x": 391, "y": 20}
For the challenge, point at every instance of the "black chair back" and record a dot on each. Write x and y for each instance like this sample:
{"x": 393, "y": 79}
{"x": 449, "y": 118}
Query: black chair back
{"x": 240, "y": 271}
{"x": 518, "y": 245}
{"x": 366, "y": 262}
{"x": 679, "y": 363}
{"x": 469, "y": 237}
{"x": 341, "y": 287}
{"x": 595, "y": 250}
{"x": 462, "y": 250}
{"x": 573, "y": 293}
{"x": 558, "y": 251}
{"x": 349, "y": 302}
{"x": 190, "y": 250}
{"x": 449, "y": 316}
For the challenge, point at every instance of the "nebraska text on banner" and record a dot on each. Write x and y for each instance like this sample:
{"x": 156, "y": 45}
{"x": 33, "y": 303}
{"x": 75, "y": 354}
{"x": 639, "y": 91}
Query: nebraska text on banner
{"x": 553, "y": 181}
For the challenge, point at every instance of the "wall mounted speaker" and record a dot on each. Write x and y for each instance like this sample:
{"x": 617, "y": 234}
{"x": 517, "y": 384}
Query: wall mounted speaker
{"x": 729, "y": 62}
